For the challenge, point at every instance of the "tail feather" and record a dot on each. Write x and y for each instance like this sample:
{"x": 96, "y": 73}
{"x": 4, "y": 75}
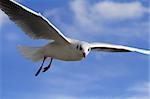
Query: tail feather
{"x": 32, "y": 53}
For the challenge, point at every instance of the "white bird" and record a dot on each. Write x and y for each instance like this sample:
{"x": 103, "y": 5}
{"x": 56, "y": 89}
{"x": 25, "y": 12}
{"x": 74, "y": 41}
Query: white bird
{"x": 62, "y": 48}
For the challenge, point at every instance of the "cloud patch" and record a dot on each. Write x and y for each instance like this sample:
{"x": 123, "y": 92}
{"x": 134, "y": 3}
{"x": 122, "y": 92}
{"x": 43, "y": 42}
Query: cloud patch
{"x": 140, "y": 88}
{"x": 103, "y": 18}
{"x": 107, "y": 10}
{"x": 126, "y": 19}
{"x": 137, "y": 91}
{"x": 114, "y": 11}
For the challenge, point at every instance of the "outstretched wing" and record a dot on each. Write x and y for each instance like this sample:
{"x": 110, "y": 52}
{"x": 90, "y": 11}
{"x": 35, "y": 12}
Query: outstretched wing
{"x": 115, "y": 48}
{"x": 33, "y": 24}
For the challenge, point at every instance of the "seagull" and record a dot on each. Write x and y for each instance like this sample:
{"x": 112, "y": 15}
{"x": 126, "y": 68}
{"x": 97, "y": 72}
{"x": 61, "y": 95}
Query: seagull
{"x": 60, "y": 47}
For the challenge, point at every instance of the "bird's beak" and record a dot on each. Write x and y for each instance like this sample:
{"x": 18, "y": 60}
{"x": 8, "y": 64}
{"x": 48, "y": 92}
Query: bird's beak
{"x": 84, "y": 55}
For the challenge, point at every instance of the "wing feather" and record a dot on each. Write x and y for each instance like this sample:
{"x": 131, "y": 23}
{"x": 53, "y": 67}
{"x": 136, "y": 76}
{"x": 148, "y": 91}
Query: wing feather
{"x": 32, "y": 23}
{"x": 115, "y": 48}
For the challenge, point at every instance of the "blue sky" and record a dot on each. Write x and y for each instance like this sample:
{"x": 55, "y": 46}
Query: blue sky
{"x": 99, "y": 76}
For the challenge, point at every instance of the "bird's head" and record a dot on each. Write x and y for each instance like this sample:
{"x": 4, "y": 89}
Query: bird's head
{"x": 83, "y": 49}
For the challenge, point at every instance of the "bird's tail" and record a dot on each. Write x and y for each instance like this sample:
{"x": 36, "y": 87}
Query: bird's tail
{"x": 32, "y": 53}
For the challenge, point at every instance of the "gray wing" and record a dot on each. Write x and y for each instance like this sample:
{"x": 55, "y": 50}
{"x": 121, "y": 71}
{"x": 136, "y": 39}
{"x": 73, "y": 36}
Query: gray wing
{"x": 115, "y": 48}
{"x": 33, "y": 24}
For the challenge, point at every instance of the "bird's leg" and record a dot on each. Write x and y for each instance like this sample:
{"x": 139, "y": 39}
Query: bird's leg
{"x": 46, "y": 68}
{"x": 40, "y": 67}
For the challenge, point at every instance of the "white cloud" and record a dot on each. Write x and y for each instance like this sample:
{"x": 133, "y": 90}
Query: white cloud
{"x": 115, "y": 11}
{"x": 138, "y": 91}
{"x": 107, "y": 10}
{"x": 142, "y": 88}
{"x": 102, "y": 17}
{"x": 81, "y": 11}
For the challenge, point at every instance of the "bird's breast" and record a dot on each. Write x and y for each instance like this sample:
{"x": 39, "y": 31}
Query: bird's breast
{"x": 62, "y": 52}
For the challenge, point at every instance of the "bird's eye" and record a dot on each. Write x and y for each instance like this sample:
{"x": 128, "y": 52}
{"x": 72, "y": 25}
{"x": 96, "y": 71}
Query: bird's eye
{"x": 77, "y": 46}
{"x": 80, "y": 48}
{"x": 88, "y": 49}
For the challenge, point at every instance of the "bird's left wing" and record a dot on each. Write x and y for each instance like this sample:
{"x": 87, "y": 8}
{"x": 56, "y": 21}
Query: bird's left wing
{"x": 115, "y": 48}
{"x": 34, "y": 24}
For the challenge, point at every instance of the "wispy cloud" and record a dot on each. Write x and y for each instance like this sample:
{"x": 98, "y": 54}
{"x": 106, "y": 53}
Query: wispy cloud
{"x": 104, "y": 18}
{"x": 107, "y": 10}
{"x": 131, "y": 93}
{"x": 115, "y": 11}
{"x": 71, "y": 81}
{"x": 137, "y": 91}
{"x": 140, "y": 88}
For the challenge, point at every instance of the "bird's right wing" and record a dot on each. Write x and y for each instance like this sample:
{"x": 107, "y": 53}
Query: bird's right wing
{"x": 115, "y": 48}
{"x": 34, "y": 24}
